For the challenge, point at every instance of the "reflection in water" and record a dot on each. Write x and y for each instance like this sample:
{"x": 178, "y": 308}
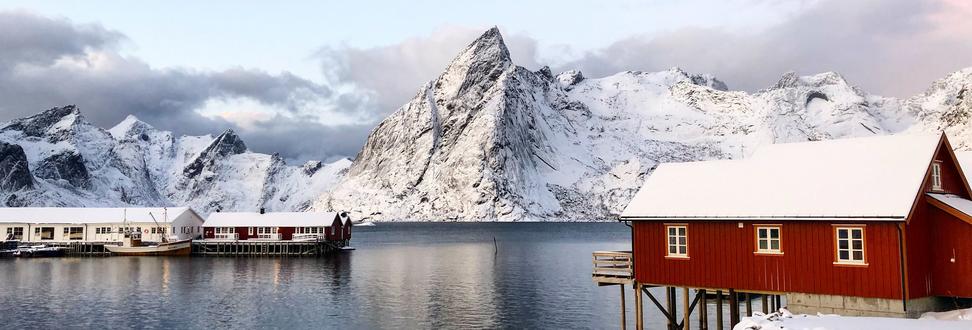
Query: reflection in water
{"x": 400, "y": 276}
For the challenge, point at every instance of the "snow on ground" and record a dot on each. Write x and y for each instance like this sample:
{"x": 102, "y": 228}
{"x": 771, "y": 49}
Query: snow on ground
{"x": 783, "y": 319}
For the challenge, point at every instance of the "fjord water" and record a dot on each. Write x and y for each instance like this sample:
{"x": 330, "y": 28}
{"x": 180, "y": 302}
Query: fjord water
{"x": 402, "y": 276}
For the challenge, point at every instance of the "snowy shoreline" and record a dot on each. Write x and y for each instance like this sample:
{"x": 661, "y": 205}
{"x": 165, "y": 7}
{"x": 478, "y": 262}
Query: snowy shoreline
{"x": 957, "y": 319}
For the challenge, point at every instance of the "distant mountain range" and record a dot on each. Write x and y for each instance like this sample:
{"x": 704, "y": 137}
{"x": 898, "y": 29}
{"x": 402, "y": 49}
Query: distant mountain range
{"x": 486, "y": 140}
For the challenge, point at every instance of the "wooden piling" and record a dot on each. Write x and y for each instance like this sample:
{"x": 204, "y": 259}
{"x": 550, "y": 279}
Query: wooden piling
{"x": 624, "y": 321}
{"x": 703, "y": 311}
{"x": 687, "y": 317}
{"x": 779, "y": 303}
{"x": 733, "y": 308}
{"x": 719, "y": 310}
{"x": 749, "y": 305}
{"x": 670, "y": 300}
{"x": 765, "y": 301}
{"x": 639, "y": 308}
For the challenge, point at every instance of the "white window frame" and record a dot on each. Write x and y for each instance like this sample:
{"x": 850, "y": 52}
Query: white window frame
{"x": 936, "y": 176}
{"x": 769, "y": 239}
{"x": 850, "y": 249}
{"x": 676, "y": 236}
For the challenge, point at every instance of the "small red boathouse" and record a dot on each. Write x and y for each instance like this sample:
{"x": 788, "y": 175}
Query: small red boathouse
{"x": 277, "y": 226}
{"x": 876, "y": 226}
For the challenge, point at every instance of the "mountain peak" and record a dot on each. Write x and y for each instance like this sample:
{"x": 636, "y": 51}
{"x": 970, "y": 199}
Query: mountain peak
{"x": 481, "y": 60}
{"x": 227, "y": 143}
{"x": 130, "y": 126}
{"x": 39, "y": 124}
{"x": 791, "y": 79}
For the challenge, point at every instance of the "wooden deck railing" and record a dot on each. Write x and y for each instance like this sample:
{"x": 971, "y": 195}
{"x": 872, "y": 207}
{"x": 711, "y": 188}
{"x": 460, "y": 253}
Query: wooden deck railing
{"x": 616, "y": 264}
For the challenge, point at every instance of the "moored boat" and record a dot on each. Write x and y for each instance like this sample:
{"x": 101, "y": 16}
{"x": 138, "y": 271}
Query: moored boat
{"x": 132, "y": 245}
{"x": 39, "y": 251}
{"x": 178, "y": 248}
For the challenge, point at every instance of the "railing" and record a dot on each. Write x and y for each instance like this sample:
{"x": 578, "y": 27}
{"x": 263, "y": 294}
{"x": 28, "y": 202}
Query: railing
{"x": 232, "y": 236}
{"x": 272, "y": 237}
{"x": 613, "y": 264}
{"x": 308, "y": 237}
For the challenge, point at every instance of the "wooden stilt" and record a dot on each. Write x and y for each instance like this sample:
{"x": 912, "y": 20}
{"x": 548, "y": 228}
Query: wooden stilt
{"x": 639, "y": 308}
{"x": 624, "y": 321}
{"x": 703, "y": 311}
{"x": 719, "y": 310}
{"x": 670, "y": 300}
{"x": 749, "y": 305}
{"x": 765, "y": 304}
{"x": 687, "y": 317}
{"x": 733, "y": 308}
{"x": 779, "y": 303}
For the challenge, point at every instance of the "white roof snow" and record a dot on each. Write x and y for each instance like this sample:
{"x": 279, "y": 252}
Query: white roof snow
{"x": 270, "y": 219}
{"x": 86, "y": 215}
{"x": 873, "y": 178}
{"x": 961, "y": 204}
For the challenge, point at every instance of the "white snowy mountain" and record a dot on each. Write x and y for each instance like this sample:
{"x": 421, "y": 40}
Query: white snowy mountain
{"x": 486, "y": 140}
{"x": 70, "y": 162}
{"x": 489, "y": 140}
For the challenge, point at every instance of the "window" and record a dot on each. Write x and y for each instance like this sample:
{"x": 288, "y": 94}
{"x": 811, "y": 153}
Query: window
{"x": 74, "y": 233}
{"x": 677, "y": 241}
{"x": 936, "y": 175}
{"x": 850, "y": 245}
{"x": 15, "y": 233}
{"x": 45, "y": 233}
{"x": 768, "y": 240}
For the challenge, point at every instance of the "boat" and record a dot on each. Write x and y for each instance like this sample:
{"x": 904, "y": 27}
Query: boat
{"x": 132, "y": 245}
{"x": 364, "y": 223}
{"x": 39, "y": 251}
{"x": 7, "y": 248}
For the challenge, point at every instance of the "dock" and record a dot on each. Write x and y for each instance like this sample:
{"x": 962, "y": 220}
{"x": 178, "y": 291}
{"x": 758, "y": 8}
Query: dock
{"x": 265, "y": 248}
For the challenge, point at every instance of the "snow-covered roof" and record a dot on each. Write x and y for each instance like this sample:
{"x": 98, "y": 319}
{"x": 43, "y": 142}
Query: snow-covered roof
{"x": 86, "y": 215}
{"x": 270, "y": 219}
{"x": 954, "y": 201}
{"x": 876, "y": 178}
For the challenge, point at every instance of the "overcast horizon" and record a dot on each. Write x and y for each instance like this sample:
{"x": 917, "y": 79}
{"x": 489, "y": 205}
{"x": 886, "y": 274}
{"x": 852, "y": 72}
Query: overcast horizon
{"x": 287, "y": 77}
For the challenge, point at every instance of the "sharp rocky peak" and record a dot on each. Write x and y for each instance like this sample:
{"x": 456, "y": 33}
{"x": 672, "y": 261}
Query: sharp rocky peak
{"x": 482, "y": 61}
{"x": 227, "y": 143}
{"x": 40, "y": 124}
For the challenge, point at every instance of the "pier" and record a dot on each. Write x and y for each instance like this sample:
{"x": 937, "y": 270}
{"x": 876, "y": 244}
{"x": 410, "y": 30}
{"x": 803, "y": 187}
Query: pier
{"x": 617, "y": 268}
{"x": 265, "y": 248}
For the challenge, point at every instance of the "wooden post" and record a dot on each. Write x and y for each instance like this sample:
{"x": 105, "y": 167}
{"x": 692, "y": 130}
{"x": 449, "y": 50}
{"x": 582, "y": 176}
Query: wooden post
{"x": 624, "y": 322}
{"x": 687, "y": 317}
{"x": 749, "y": 305}
{"x": 779, "y": 303}
{"x": 703, "y": 311}
{"x": 670, "y": 300}
{"x": 639, "y": 308}
{"x": 719, "y": 310}
{"x": 733, "y": 308}
{"x": 765, "y": 304}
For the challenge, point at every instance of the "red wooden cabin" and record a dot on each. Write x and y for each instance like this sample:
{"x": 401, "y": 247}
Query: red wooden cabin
{"x": 277, "y": 226}
{"x": 864, "y": 226}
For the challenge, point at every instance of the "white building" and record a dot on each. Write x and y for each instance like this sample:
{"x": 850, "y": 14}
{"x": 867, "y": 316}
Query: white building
{"x": 80, "y": 224}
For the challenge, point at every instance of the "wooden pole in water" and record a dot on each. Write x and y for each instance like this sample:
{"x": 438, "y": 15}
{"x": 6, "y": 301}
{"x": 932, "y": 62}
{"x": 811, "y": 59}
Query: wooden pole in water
{"x": 749, "y": 305}
{"x": 687, "y": 317}
{"x": 719, "y": 310}
{"x": 703, "y": 311}
{"x": 624, "y": 322}
{"x": 733, "y": 308}
{"x": 779, "y": 303}
{"x": 765, "y": 304}
{"x": 639, "y": 308}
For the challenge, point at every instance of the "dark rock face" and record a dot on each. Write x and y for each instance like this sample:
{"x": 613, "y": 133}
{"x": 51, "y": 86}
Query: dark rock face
{"x": 227, "y": 143}
{"x": 68, "y": 166}
{"x": 38, "y": 125}
{"x": 14, "y": 172}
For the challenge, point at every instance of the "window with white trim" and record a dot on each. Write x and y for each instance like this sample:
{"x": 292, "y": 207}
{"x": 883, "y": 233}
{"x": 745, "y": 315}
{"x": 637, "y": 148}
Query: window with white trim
{"x": 768, "y": 240}
{"x": 936, "y": 175}
{"x": 677, "y": 241}
{"x": 850, "y": 245}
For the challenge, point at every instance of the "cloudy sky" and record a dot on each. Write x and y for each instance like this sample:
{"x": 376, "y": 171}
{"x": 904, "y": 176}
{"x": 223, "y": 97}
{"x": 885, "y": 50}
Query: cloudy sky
{"x": 310, "y": 79}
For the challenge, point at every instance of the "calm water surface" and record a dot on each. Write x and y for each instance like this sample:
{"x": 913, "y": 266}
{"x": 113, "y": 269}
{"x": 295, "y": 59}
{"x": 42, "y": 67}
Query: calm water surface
{"x": 402, "y": 276}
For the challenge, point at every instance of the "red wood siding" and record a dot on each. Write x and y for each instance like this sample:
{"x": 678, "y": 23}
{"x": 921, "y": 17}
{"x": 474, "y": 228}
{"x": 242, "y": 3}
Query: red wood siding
{"x": 721, "y": 255}
{"x": 286, "y": 233}
{"x": 931, "y": 236}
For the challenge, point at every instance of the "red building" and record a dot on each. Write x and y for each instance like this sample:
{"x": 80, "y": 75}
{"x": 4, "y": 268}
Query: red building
{"x": 865, "y": 226}
{"x": 277, "y": 226}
